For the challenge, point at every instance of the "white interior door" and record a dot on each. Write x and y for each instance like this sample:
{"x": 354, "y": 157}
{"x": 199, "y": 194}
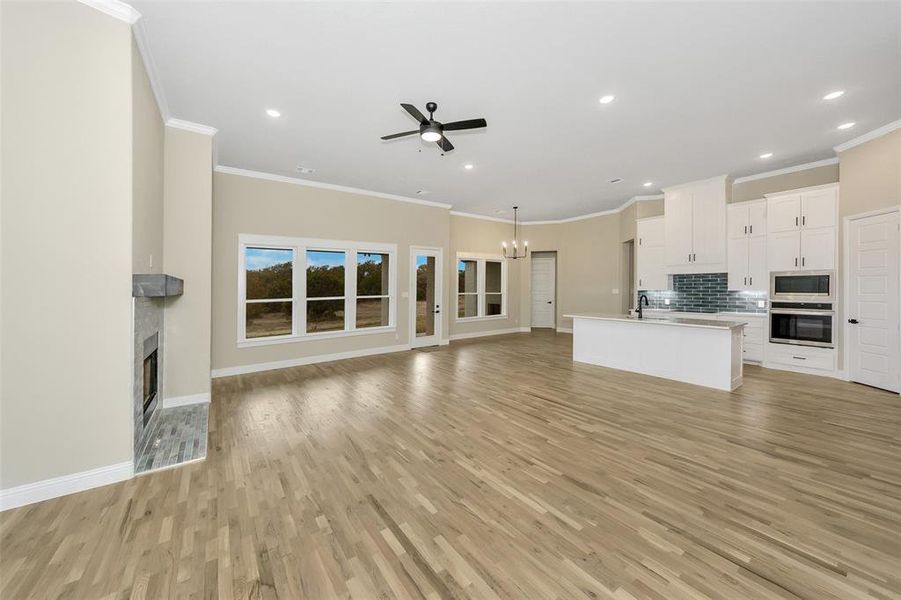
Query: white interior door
{"x": 873, "y": 307}
{"x": 426, "y": 294}
{"x": 544, "y": 282}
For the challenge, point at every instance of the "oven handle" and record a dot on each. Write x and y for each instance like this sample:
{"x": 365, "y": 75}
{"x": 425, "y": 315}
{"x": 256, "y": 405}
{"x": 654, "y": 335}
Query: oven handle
{"x": 791, "y": 311}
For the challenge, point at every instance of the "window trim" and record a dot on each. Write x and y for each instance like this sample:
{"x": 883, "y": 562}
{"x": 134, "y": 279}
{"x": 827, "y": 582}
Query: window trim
{"x": 300, "y": 246}
{"x": 481, "y": 274}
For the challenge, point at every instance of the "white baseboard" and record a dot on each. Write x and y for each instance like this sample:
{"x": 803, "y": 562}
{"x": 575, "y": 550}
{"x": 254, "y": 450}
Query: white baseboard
{"x": 564, "y": 330}
{"x": 477, "y": 334}
{"x": 203, "y": 398}
{"x": 64, "y": 485}
{"x": 305, "y": 360}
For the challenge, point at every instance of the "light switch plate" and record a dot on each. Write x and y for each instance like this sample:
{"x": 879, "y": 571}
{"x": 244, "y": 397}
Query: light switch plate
{"x": 615, "y": 290}
{"x": 405, "y": 294}
{"x": 761, "y": 303}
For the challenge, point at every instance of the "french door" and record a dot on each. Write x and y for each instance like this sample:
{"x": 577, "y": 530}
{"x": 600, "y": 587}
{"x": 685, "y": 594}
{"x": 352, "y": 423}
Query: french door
{"x": 426, "y": 293}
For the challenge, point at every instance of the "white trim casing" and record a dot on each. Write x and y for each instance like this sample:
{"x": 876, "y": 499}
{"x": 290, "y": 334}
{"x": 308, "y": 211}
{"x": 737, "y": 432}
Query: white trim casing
{"x": 481, "y": 260}
{"x": 115, "y": 9}
{"x": 325, "y": 186}
{"x": 305, "y": 360}
{"x": 176, "y": 401}
{"x": 870, "y": 135}
{"x": 564, "y": 330}
{"x": 438, "y": 254}
{"x": 193, "y": 127}
{"x": 786, "y": 170}
{"x": 64, "y": 485}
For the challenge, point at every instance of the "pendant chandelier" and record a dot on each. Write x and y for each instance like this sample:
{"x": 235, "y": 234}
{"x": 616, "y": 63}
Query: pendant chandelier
{"x": 516, "y": 251}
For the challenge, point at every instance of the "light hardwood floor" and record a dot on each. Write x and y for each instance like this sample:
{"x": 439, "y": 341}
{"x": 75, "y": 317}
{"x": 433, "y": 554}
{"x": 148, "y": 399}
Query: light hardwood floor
{"x": 493, "y": 468}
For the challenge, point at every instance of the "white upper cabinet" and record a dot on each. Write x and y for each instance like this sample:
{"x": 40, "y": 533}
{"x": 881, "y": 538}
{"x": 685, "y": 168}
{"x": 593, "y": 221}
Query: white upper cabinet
{"x": 746, "y": 222}
{"x": 695, "y": 226}
{"x": 802, "y": 229}
{"x": 650, "y": 261}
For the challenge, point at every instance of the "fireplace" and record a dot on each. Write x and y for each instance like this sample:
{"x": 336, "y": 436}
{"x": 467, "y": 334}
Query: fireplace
{"x": 151, "y": 376}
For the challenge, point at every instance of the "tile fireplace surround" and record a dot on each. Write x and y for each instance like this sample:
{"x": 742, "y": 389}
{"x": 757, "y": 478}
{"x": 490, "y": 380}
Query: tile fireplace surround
{"x": 148, "y": 319}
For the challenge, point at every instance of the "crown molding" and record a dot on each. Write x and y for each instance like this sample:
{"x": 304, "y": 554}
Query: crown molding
{"x": 602, "y": 213}
{"x": 153, "y": 75}
{"x": 723, "y": 178}
{"x": 872, "y": 135}
{"x": 325, "y": 186}
{"x": 458, "y": 213}
{"x": 193, "y": 127}
{"x": 794, "y": 169}
{"x": 115, "y": 8}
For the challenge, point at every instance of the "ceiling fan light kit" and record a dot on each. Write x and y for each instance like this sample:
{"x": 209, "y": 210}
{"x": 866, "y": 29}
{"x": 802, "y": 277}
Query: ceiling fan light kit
{"x": 431, "y": 130}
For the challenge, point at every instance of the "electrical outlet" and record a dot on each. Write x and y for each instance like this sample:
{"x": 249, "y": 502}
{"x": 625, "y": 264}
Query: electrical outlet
{"x": 405, "y": 294}
{"x": 615, "y": 290}
{"x": 761, "y": 304}
{"x": 666, "y": 301}
{"x": 150, "y": 262}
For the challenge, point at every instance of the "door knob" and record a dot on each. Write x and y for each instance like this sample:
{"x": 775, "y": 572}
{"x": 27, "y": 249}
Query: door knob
{"x": 549, "y": 302}
{"x": 853, "y": 321}
{"x": 437, "y": 311}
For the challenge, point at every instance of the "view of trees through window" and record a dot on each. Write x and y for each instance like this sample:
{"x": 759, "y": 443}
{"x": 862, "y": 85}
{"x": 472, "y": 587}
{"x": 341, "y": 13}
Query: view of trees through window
{"x": 325, "y": 290}
{"x": 269, "y": 288}
{"x": 425, "y": 290}
{"x": 372, "y": 289}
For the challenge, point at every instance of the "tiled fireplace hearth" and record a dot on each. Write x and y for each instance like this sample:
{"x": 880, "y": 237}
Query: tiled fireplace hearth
{"x": 148, "y": 365}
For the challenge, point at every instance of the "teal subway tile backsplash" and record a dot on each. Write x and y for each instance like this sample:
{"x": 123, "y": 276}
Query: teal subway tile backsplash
{"x": 706, "y": 293}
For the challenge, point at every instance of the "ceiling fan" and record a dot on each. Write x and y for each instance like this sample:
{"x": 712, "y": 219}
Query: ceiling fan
{"x": 431, "y": 130}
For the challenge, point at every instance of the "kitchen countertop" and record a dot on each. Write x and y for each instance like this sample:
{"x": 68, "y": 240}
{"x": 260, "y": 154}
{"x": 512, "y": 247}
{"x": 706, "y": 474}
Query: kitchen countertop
{"x": 673, "y": 321}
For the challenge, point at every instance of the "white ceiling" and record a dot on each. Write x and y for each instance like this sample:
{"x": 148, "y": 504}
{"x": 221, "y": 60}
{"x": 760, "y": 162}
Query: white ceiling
{"x": 701, "y": 89}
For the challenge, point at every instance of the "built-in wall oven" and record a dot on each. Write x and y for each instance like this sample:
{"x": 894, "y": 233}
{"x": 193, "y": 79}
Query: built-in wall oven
{"x": 802, "y": 323}
{"x": 802, "y": 286}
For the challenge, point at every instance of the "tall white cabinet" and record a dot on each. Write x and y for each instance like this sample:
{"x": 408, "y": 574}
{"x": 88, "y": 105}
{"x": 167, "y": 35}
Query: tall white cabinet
{"x": 747, "y": 249}
{"x": 650, "y": 259}
{"x": 695, "y": 226}
{"x": 802, "y": 229}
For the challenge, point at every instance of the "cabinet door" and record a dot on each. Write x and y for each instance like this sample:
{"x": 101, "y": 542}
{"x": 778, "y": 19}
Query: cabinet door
{"x": 650, "y": 232}
{"x": 758, "y": 274}
{"x": 737, "y": 220}
{"x": 783, "y": 251}
{"x": 709, "y": 227}
{"x": 677, "y": 224}
{"x": 738, "y": 263}
{"x": 818, "y": 248}
{"x": 757, "y": 219}
{"x": 818, "y": 208}
{"x": 783, "y": 213}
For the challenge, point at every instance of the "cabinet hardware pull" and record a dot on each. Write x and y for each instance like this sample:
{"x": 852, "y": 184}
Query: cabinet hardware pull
{"x": 803, "y": 260}
{"x": 746, "y": 230}
{"x": 800, "y": 357}
{"x": 796, "y": 261}
{"x": 796, "y": 221}
{"x": 751, "y": 280}
{"x": 752, "y": 228}
{"x": 804, "y": 220}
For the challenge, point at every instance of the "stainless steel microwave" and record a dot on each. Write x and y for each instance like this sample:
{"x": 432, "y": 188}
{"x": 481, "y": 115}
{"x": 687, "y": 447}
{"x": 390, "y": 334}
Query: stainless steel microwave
{"x": 802, "y": 286}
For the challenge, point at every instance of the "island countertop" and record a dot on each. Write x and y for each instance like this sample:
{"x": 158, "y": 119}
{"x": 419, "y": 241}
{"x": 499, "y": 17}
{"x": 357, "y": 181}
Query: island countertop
{"x": 675, "y": 321}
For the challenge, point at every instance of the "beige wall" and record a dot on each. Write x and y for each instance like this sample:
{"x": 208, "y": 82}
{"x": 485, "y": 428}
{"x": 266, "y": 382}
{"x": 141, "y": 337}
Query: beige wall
{"x": 147, "y": 175}
{"x": 258, "y": 206}
{"x": 754, "y": 190}
{"x": 187, "y": 219}
{"x": 66, "y": 398}
{"x": 481, "y": 236}
{"x": 871, "y": 175}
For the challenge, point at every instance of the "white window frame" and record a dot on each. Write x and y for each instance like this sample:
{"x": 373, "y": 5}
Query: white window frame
{"x": 481, "y": 273}
{"x": 299, "y": 287}
{"x": 358, "y": 297}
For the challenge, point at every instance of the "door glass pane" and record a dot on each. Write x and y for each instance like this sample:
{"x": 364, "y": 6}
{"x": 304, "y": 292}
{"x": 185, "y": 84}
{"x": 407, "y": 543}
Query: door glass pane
{"x": 264, "y": 319}
{"x": 325, "y": 315}
{"x": 372, "y": 274}
{"x": 372, "y": 312}
{"x": 425, "y": 296}
{"x": 325, "y": 273}
{"x": 268, "y": 273}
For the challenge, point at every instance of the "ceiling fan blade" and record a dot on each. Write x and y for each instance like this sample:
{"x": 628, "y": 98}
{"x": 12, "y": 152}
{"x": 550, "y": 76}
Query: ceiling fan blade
{"x": 469, "y": 124}
{"x": 397, "y": 135}
{"x": 445, "y": 144}
{"x": 414, "y": 112}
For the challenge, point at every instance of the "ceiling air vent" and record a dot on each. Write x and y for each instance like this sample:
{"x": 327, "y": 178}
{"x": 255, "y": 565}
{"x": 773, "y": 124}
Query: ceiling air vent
{"x": 617, "y": 180}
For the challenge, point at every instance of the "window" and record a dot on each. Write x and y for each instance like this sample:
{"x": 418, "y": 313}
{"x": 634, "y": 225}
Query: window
{"x": 481, "y": 287}
{"x": 373, "y": 299}
{"x": 270, "y": 297}
{"x": 294, "y": 289}
{"x": 325, "y": 290}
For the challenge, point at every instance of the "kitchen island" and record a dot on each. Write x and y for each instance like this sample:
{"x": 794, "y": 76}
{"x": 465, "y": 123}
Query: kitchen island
{"x": 698, "y": 351}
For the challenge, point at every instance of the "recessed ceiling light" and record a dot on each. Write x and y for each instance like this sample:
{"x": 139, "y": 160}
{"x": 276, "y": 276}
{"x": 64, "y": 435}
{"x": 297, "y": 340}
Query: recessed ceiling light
{"x": 846, "y": 125}
{"x": 304, "y": 170}
{"x": 834, "y": 95}
{"x": 273, "y": 113}
{"x": 468, "y": 166}
{"x": 766, "y": 155}
{"x": 607, "y": 99}
{"x": 617, "y": 180}
{"x": 648, "y": 183}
